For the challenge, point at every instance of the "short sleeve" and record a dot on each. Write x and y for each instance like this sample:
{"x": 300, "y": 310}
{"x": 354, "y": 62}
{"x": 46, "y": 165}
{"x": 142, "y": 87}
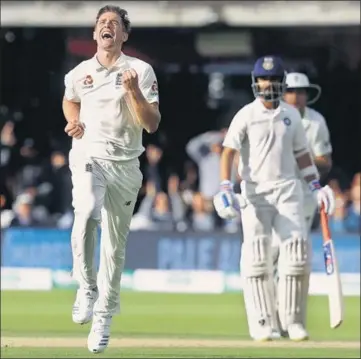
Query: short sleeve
{"x": 321, "y": 144}
{"x": 236, "y": 131}
{"x": 70, "y": 90}
{"x": 149, "y": 85}
{"x": 299, "y": 139}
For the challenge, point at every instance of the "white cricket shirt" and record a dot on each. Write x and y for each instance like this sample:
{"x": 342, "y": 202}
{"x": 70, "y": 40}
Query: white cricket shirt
{"x": 318, "y": 138}
{"x": 317, "y": 134}
{"x": 111, "y": 132}
{"x": 267, "y": 141}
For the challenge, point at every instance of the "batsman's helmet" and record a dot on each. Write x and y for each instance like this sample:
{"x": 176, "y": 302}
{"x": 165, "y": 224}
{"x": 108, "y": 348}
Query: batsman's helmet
{"x": 269, "y": 68}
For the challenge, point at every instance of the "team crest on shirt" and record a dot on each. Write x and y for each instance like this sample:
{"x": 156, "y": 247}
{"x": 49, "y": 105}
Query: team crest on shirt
{"x": 118, "y": 80}
{"x": 154, "y": 89}
{"x": 88, "y": 82}
{"x": 268, "y": 63}
{"x": 88, "y": 167}
{"x": 286, "y": 121}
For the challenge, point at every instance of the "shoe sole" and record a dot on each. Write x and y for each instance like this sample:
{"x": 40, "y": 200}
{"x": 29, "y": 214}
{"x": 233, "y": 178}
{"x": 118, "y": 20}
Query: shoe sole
{"x": 276, "y": 336}
{"x": 300, "y": 339}
{"x": 98, "y": 351}
{"x": 262, "y": 340}
{"x": 82, "y": 322}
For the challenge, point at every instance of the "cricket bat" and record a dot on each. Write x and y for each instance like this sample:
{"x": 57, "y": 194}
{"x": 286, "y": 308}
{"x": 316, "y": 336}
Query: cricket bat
{"x": 335, "y": 298}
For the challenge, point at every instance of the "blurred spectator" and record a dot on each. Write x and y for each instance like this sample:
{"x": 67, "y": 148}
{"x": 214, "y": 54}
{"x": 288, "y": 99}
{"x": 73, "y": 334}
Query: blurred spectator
{"x": 347, "y": 207}
{"x": 205, "y": 150}
{"x": 202, "y": 216}
{"x": 32, "y": 168}
{"x": 7, "y": 153}
{"x": 4, "y": 115}
{"x": 54, "y": 189}
{"x": 190, "y": 181}
{"x": 6, "y": 214}
{"x": 189, "y": 185}
{"x": 353, "y": 217}
{"x": 152, "y": 173}
{"x": 6, "y": 202}
{"x": 158, "y": 211}
{"x": 177, "y": 205}
{"x": 23, "y": 212}
{"x": 8, "y": 141}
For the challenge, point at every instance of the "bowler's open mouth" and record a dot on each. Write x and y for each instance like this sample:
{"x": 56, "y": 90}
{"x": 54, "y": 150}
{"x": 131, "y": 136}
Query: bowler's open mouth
{"x": 107, "y": 35}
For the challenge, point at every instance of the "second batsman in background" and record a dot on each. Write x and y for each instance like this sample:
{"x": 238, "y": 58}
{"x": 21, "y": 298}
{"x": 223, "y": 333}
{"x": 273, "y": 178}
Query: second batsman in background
{"x": 108, "y": 101}
{"x": 272, "y": 143}
{"x": 300, "y": 93}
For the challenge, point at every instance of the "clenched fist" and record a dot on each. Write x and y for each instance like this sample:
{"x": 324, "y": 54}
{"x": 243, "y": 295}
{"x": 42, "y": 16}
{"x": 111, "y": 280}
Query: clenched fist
{"x": 74, "y": 129}
{"x": 130, "y": 80}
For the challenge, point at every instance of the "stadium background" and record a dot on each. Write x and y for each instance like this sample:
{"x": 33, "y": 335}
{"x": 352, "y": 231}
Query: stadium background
{"x": 202, "y": 53}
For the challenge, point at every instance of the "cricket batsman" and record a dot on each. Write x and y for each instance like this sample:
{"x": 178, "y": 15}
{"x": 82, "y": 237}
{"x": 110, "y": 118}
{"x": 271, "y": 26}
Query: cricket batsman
{"x": 300, "y": 93}
{"x": 108, "y": 101}
{"x": 272, "y": 143}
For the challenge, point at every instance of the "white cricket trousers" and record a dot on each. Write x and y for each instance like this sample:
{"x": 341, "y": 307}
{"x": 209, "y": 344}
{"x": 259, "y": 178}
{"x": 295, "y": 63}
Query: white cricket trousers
{"x": 273, "y": 207}
{"x": 309, "y": 210}
{"x": 104, "y": 192}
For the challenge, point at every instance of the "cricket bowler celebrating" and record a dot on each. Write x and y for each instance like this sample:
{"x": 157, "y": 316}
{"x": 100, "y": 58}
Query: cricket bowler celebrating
{"x": 109, "y": 100}
{"x": 299, "y": 94}
{"x": 271, "y": 140}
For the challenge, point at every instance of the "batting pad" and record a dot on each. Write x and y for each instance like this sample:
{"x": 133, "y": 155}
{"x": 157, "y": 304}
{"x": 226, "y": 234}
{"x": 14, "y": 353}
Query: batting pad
{"x": 306, "y": 283}
{"x": 293, "y": 273}
{"x": 256, "y": 273}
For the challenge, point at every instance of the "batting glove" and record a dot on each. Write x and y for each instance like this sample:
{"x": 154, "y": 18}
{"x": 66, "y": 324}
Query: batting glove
{"x": 227, "y": 203}
{"x": 324, "y": 196}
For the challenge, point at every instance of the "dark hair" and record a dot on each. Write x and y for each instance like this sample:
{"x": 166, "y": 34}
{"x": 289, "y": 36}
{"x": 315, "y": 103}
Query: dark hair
{"x": 123, "y": 14}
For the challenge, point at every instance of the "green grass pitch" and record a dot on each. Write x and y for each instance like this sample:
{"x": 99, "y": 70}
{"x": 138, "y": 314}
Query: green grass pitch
{"x": 173, "y": 320}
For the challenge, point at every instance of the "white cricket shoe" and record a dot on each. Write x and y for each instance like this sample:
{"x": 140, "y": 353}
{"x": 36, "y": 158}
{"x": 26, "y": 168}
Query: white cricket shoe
{"x": 262, "y": 334}
{"x": 83, "y": 305}
{"x": 297, "y": 332}
{"x": 99, "y": 335}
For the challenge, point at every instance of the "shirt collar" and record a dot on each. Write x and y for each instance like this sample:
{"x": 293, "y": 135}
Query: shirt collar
{"x": 117, "y": 65}
{"x": 263, "y": 110}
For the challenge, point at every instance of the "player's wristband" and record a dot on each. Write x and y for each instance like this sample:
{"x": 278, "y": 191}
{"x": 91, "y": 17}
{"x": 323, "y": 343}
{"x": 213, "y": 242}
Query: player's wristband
{"x": 314, "y": 185}
{"x": 226, "y": 185}
{"x": 310, "y": 171}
